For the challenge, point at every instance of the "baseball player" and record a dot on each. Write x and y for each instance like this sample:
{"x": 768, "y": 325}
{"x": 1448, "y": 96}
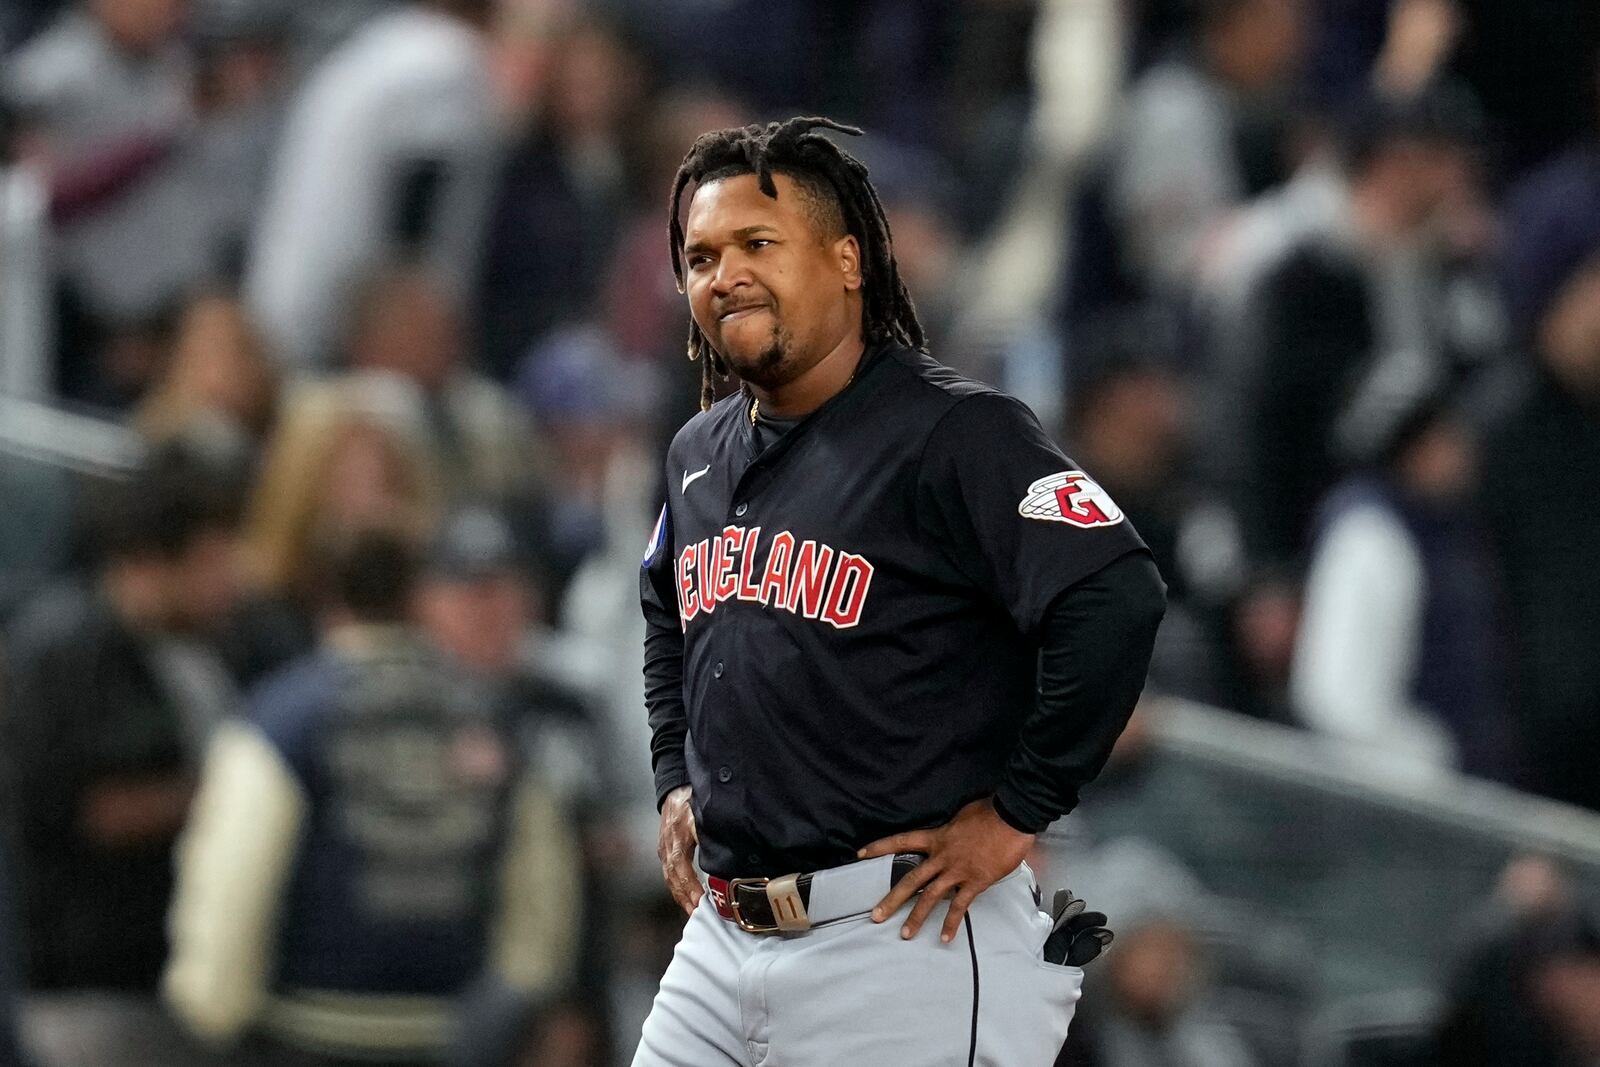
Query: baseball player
{"x": 892, "y": 630}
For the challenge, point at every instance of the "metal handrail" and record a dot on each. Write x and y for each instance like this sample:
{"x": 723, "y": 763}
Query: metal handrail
{"x": 1293, "y": 758}
{"x": 77, "y": 442}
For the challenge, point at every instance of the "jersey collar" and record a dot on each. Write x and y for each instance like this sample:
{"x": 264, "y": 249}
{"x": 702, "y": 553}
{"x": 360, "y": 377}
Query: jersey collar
{"x": 872, "y": 360}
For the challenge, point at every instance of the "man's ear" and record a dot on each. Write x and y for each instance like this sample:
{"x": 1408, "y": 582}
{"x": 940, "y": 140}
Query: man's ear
{"x": 847, "y": 251}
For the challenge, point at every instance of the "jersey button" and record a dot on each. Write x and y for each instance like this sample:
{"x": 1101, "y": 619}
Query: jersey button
{"x": 741, "y": 509}
{"x": 725, "y": 775}
{"x": 753, "y": 860}
{"x": 716, "y": 672}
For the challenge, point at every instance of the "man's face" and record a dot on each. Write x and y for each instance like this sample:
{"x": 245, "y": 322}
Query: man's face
{"x": 479, "y": 621}
{"x": 1438, "y": 174}
{"x": 1258, "y": 45}
{"x": 203, "y": 582}
{"x": 414, "y": 330}
{"x": 768, "y": 288}
{"x": 1570, "y": 332}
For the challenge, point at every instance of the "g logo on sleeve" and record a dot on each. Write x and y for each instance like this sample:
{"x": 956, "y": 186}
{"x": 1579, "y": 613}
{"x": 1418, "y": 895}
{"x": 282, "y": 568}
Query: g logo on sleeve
{"x": 1072, "y": 497}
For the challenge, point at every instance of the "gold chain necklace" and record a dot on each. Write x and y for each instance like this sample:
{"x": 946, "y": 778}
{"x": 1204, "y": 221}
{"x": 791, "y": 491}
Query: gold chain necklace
{"x": 755, "y": 402}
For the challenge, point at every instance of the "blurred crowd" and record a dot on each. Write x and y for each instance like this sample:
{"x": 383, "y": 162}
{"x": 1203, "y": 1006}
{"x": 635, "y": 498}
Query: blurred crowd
{"x": 321, "y": 736}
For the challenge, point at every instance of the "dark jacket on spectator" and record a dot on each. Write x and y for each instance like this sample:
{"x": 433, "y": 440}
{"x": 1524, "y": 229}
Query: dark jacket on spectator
{"x": 547, "y": 244}
{"x": 1316, "y": 338}
{"x": 1542, "y": 505}
{"x": 83, "y": 707}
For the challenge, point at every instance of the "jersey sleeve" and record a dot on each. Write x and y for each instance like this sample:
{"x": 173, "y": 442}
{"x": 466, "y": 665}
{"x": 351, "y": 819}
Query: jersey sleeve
{"x": 1014, "y": 515}
{"x": 1094, "y": 649}
{"x": 234, "y": 862}
{"x": 534, "y": 947}
{"x": 663, "y": 660}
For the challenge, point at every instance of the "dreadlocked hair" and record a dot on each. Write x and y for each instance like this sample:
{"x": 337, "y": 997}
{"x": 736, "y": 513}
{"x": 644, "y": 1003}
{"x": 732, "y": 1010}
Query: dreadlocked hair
{"x": 796, "y": 148}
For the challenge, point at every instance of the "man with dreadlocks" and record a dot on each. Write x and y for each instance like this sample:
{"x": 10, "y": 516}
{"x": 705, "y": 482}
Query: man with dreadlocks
{"x": 892, "y": 630}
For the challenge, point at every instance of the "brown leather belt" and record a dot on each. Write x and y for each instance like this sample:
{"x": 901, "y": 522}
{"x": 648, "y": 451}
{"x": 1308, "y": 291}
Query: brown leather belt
{"x": 783, "y": 905}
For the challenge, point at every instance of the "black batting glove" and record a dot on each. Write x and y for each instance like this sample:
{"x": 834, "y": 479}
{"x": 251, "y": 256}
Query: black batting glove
{"x": 1076, "y": 934}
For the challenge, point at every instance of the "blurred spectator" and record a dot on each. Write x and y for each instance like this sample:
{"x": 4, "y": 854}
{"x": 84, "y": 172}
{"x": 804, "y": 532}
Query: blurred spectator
{"x": 1394, "y": 46}
{"x": 972, "y": 108}
{"x": 598, "y": 406}
{"x": 1147, "y": 1006}
{"x": 151, "y": 146}
{"x": 640, "y": 306}
{"x": 1077, "y": 61}
{"x": 1009, "y": 282}
{"x": 562, "y": 196}
{"x": 366, "y": 846}
{"x": 1550, "y": 218}
{"x": 782, "y": 54}
{"x": 1420, "y": 38}
{"x": 1565, "y": 986}
{"x": 1127, "y": 424}
{"x": 948, "y": 77}
{"x": 184, "y": 225}
{"x": 1527, "y": 991}
{"x": 408, "y": 327}
{"x": 1565, "y": 983}
{"x": 1130, "y": 426}
{"x": 1364, "y": 287}
{"x": 475, "y": 604}
{"x": 389, "y": 147}
{"x": 1204, "y": 131}
{"x": 219, "y": 391}
{"x": 919, "y": 195}
{"x": 105, "y": 88}
{"x": 1541, "y": 464}
{"x": 110, "y": 699}
{"x": 343, "y": 458}
{"x": 1396, "y": 49}
{"x": 1398, "y": 644}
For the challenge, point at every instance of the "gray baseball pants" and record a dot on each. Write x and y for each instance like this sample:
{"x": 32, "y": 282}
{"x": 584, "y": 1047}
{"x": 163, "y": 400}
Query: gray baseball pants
{"x": 852, "y": 991}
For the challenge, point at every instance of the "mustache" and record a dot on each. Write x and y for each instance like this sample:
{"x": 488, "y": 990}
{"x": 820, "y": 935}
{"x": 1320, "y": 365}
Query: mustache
{"x": 725, "y": 307}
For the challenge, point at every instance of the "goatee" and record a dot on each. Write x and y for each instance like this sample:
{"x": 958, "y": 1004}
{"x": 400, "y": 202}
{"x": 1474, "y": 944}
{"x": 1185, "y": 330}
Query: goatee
{"x": 769, "y": 368}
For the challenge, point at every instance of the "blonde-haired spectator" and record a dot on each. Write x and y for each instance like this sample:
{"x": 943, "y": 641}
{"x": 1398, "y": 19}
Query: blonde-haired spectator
{"x": 219, "y": 387}
{"x": 344, "y": 457}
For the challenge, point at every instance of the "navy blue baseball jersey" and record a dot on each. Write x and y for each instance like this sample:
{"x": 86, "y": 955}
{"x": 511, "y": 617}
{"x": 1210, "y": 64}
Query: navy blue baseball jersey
{"x": 844, "y": 622}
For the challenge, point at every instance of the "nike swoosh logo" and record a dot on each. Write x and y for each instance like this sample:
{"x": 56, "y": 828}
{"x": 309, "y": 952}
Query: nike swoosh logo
{"x": 688, "y": 479}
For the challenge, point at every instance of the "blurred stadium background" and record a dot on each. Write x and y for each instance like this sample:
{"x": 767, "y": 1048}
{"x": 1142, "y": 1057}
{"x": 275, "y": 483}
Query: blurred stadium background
{"x": 305, "y": 300}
